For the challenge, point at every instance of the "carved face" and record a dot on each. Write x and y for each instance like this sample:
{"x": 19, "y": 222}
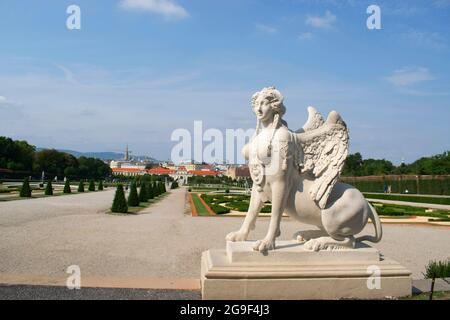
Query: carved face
{"x": 263, "y": 109}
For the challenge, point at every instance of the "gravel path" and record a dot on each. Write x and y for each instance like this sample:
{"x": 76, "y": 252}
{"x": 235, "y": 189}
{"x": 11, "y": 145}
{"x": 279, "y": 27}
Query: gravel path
{"x": 42, "y": 237}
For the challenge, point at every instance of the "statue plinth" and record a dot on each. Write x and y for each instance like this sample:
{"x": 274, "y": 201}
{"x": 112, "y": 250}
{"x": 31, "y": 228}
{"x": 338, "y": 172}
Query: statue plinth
{"x": 292, "y": 272}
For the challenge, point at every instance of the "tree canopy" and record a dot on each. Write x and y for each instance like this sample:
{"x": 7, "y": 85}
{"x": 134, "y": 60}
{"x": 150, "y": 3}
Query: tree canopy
{"x": 20, "y": 156}
{"x": 356, "y": 166}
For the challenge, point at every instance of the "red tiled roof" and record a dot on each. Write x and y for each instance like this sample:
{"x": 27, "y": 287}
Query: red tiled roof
{"x": 160, "y": 170}
{"x": 127, "y": 170}
{"x": 204, "y": 173}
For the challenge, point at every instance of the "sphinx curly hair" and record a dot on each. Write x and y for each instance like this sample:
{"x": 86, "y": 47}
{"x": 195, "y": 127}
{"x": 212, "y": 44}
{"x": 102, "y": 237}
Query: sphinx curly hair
{"x": 275, "y": 98}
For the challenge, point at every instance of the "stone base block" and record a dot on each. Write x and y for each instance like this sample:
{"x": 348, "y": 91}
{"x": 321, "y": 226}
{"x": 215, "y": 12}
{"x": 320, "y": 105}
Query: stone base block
{"x": 292, "y": 273}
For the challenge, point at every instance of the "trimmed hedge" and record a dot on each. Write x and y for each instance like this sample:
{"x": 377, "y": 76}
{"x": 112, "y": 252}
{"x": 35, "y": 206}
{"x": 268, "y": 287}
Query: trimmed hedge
{"x": 49, "y": 188}
{"x": 67, "y": 187}
{"x": 410, "y": 198}
{"x": 120, "y": 202}
{"x": 25, "y": 191}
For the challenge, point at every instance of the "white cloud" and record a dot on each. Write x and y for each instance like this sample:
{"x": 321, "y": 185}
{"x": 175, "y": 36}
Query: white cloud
{"x": 2, "y": 99}
{"x": 321, "y": 22}
{"x": 167, "y": 8}
{"x": 410, "y": 76}
{"x": 306, "y": 36}
{"x": 266, "y": 29}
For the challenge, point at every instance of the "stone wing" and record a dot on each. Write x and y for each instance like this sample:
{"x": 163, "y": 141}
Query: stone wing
{"x": 325, "y": 149}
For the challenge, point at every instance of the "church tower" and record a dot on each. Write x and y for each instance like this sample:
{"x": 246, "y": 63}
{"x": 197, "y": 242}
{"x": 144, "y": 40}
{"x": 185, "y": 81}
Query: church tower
{"x": 127, "y": 155}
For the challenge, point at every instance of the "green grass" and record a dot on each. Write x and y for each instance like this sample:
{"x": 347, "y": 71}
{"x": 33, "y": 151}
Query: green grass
{"x": 199, "y": 206}
{"x": 437, "y": 295}
{"x": 39, "y": 193}
{"x": 393, "y": 210}
{"x": 142, "y": 206}
{"x": 409, "y": 198}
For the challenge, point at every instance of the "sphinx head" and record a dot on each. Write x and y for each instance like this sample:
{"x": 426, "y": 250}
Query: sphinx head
{"x": 267, "y": 103}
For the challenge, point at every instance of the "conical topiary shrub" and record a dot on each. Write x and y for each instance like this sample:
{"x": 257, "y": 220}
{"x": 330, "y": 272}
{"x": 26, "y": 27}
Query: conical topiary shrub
{"x": 100, "y": 186}
{"x": 81, "y": 186}
{"x": 151, "y": 192}
{"x": 49, "y": 188}
{"x": 133, "y": 199}
{"x": 91, "y": 185}
{"x": 143, "y": 195}
{"x": 67, "y": 187}
{"x": 120, "y": 203}
{"x": 25, "y": 191}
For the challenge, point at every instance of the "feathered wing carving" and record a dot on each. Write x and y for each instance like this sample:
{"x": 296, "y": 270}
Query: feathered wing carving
{"x": 325, "y": 148}
{"x": 315, "y": 120}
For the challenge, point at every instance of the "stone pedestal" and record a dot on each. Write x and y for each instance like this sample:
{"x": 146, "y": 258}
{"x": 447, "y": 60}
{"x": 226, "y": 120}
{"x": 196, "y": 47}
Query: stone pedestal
{"x": 291, "y": 272}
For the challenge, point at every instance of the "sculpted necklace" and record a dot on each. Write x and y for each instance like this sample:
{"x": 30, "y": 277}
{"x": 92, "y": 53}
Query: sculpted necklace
{"x": 257, "y": 170}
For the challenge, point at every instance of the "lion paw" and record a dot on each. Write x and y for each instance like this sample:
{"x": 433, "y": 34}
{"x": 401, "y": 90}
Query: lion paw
{"x": 264, "y": 245}
{"x": 237, "y": 236}
{"x": 328, "y": 243}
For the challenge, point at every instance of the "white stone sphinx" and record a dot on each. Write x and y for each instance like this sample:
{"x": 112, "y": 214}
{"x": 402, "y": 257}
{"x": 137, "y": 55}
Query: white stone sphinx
{"x": 298, "y": 173}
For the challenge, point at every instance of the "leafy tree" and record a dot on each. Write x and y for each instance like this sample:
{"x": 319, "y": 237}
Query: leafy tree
{"x": 353, "y": 165}
{"x": 67, "y": 187}
{"x": 133, "y": 199}
{"x": 49, "y": 188}
{"x": 91, "y": 185}
{"x": 16, "y": 155}
{"x": 143, "y": 193}
{"x": 25, "y": 191}
{"x": 81, "y": 186}
{"x": 119, "y": 203}
{"x": 100, "y": 185}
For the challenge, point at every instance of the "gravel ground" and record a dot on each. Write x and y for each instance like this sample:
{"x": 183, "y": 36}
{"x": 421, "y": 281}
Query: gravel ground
{"x": 42, "y": 237}
{"x": 15, "y": 292}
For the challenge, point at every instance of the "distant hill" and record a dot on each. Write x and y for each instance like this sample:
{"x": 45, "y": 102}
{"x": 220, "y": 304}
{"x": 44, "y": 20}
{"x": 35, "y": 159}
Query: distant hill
{"x": 102, "y": 155}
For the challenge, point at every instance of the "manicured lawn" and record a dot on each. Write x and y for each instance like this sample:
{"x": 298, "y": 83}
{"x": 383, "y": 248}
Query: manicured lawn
{"x": 408, "y": 211}
{"x": 142, "y": 206}
{"x": 409, "y": 198}
{"x": 199, "y": 206}
{"x": 40, "y": 194}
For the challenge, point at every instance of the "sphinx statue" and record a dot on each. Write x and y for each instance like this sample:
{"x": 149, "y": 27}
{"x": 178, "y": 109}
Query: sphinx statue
{"x": 298, "y": 172}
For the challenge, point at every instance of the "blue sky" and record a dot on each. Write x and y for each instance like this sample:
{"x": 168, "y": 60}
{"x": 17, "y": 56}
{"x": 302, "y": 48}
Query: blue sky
{"x": 138, "y": 69}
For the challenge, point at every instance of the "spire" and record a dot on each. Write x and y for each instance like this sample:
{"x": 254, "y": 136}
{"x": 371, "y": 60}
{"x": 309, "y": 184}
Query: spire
{"x": 127, "y": 156}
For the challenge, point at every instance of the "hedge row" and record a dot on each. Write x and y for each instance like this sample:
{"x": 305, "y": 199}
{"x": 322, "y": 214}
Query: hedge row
{"x": 410, "y": 198}
{"x": 438, "y": 186}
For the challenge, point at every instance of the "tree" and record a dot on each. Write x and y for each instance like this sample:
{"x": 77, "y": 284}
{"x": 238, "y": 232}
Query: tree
{"x": 119, "y": 203}
{"x": 67, "y": 187}
{"x": 91, "y": 185}
{"x": 143, "y": 195}
{"x": 353, "y": 165}
{"x": 25, "y": 191}
{"x": 100, "y": 186}
{"x": 133, "y": 199}
{"x": 81, "y": 186}
{"x": 16, "y": 155}
{"x": 49, "y": 188}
